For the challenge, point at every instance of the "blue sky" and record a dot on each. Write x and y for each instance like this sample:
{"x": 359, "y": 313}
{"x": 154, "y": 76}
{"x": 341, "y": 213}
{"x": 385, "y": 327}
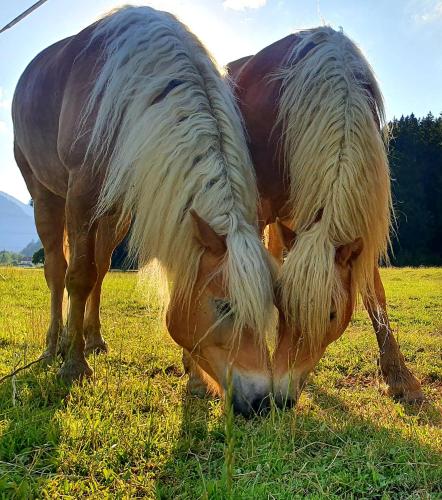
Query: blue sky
{"x": 401, "y": 38}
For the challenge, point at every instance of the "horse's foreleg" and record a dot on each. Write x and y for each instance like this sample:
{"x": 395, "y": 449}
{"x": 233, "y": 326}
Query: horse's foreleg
{"x": 401, "y": 382}
{"x": 80, "y": 280}
{"x": 108, "y": 237}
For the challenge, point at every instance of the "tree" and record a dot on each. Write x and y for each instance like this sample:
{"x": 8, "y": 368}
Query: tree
{"x": 39, "y": 257}
{"x": 415, "y": 156}
{"x": 120, "y": 257}
{"x": 9, "y": 258}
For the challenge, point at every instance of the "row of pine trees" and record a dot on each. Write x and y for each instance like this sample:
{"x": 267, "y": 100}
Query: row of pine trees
{"x": 415, "y": 155}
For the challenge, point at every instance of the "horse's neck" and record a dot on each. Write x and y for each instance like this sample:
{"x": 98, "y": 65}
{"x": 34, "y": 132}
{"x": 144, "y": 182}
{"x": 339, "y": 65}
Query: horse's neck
{"x": 258, "y": 97}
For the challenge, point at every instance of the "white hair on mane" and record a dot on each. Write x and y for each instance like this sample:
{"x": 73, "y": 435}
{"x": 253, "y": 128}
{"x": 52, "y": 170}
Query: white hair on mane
{"x": 173, "y": 140}
{"x": 331, "y": 114}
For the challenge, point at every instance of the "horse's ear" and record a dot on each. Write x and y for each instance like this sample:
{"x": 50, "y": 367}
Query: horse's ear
{"x": 285, "y": 234}
{"x": 206, "y": 236}
{"x": 347, "y": 253}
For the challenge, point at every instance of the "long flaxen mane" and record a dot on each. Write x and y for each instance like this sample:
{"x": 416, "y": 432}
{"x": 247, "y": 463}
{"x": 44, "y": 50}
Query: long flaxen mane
{"x": 331, "y": 115}
{"x": 173, "y": 139}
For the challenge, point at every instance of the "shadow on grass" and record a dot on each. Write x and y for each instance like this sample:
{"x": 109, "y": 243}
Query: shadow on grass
{"x": 324, "y": 448}
{"x": 191, "y": 457}
{"x": 30, "y": 432}
{"x": 328, "y": 446}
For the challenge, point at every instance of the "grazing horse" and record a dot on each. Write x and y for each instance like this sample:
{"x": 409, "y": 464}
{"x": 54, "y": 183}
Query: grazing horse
{"x": 314, "y": 116}
{"x": 130, "y": 119}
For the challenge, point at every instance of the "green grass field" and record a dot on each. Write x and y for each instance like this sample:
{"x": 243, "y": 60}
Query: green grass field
{"x": 133, "y": 432}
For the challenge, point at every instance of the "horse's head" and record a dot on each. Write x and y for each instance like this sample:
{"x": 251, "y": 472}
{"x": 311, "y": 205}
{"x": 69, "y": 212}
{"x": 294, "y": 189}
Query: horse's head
{"x": 206, "y": 328}
{"x": 323, "y": 314}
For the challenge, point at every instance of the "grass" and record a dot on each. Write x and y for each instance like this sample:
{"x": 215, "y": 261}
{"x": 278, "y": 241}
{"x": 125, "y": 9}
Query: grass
{"x": 133, "y": 432}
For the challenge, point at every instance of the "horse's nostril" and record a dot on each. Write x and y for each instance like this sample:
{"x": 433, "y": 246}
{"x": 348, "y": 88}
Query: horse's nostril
{"x": 261, "y": 405}
{"x": 258, "y": 405}
{"x": 284, "y": 402}
{"x": 251, "y": 394}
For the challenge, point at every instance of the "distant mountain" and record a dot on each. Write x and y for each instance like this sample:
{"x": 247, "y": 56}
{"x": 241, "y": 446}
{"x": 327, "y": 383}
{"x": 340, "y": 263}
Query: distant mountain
{"x": 17, "y": 226}
{"x": 31, "y": 248}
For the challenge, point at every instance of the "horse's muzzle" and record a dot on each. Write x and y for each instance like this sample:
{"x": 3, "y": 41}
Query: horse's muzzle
{"x": 288, "y": 388}
{"x": 251, "y": 394}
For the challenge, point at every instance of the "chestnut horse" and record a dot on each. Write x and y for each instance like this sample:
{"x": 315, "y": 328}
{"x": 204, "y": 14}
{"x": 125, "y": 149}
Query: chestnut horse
{"x": 314, "y": 116}
{"x": 130, "y": 119}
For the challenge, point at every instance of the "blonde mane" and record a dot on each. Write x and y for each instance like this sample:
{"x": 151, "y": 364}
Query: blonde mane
{"x": 173, "y": 140}
{"x": 331, "y": 114}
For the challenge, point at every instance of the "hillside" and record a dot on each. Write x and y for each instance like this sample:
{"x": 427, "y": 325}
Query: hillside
{"x": 17, "y": 226}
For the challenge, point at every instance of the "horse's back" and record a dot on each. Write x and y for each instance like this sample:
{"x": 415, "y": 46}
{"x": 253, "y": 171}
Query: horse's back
{"x": 234, "y": 67}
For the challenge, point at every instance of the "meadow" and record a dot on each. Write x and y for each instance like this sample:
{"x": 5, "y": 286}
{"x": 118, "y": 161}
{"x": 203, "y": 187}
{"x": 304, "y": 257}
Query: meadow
{"x": 133, "y": 432}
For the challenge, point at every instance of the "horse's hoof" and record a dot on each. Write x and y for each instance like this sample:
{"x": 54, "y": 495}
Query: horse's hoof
{"x": 414, "y": 397}
{"x": 63, "y": 345}
{"x": 72, "y": 370}
{"x": 99, "y": 347}
{"x": 407, "y": 396}
{"x": 49, "y": 356}
{"x": 405, "y": 387}
{"x": 196, "y": 387}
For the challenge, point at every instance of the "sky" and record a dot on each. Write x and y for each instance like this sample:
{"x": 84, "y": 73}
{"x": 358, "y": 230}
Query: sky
{"x": 402, "y": 39}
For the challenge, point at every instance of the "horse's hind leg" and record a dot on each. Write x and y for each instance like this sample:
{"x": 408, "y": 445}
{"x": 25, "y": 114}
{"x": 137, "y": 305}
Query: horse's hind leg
{"x": 81, "y": 274}
{"x": 401, "y": 382}
{"x": 108, "y": 237}
{"x": 49, "y": 217}
{"x": 49, "y": 213}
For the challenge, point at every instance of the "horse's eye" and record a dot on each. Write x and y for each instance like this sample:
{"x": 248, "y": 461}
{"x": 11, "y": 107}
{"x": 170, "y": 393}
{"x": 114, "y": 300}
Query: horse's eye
{"x": 332, "y": 316}
{"x": 222, "y": 307}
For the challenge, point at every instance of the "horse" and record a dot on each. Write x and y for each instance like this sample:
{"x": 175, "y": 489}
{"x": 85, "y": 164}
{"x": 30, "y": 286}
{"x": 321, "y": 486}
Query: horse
{"x": 315, "y": 121}
{"x": 131, "y": 120}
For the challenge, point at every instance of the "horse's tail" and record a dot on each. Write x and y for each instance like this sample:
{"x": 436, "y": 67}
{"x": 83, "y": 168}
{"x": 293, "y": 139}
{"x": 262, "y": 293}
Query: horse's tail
{"x": 167, "y": 124}
{"x": 331, "y": 116}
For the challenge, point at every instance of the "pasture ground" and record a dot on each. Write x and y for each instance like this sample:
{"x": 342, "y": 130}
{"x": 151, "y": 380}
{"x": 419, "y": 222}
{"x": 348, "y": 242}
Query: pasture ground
{"x": 133, "y": 432}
